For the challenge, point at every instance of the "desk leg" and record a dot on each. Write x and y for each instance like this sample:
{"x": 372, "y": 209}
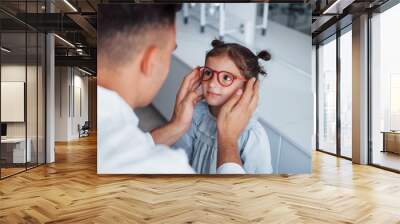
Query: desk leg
{"x": 384, "y": 143}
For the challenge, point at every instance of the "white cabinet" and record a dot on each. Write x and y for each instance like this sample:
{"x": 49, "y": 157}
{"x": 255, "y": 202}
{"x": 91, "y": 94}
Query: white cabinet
{"x": 17, "y": 148}
{"x": 12, "y": 101}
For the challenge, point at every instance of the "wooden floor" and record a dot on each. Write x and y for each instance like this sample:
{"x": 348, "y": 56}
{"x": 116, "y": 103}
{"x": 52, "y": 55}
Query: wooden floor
{"x": 10, "y": 171}
{"x": 70, "y": 191}
{"x": 387, "y": 159}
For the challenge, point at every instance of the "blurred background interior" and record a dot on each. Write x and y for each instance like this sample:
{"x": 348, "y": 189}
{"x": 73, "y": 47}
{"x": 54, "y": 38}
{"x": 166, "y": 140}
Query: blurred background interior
{"x": 286, "y": 100}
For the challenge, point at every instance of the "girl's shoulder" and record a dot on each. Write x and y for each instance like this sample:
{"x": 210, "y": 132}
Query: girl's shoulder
{"x": 254, "y": 130}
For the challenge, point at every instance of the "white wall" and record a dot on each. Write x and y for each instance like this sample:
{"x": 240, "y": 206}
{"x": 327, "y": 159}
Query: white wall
{"x": 33, "y": 127}
{"x": 61, "y": 103}
{"x": 12, "y": 73}
{"x": 80, "y": 102}
{"x": 71, "y": 94}
{"x": 12, "y": 101}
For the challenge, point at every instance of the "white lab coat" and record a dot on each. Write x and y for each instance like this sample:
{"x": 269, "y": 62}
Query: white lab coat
{"x": 122, "y": 148}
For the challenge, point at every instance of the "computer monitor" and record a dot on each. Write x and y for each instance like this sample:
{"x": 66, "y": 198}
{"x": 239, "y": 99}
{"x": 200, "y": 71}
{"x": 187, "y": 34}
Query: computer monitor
{"x": 3, "y": 129}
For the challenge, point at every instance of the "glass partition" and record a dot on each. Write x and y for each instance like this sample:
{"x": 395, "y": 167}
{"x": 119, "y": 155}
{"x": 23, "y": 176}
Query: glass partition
{"x": 41, "y": 107}
{"x": 31, "y": 100}
{"x": 14, "y": 153}
{"x": 327, "y": 96}
{"x": 346, "y": 93}
{"x": 385, "y": 89}
{"x": 23, "y": 91}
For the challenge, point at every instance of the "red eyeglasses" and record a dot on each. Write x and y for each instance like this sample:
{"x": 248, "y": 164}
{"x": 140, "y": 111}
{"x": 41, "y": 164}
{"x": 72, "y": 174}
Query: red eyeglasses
{"x": 224, "y": 78}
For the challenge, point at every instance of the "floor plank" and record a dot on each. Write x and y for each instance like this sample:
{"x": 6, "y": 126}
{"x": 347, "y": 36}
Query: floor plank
{"x": 70, "y": 191}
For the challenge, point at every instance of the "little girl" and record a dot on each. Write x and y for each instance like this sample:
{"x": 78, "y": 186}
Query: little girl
{"x": 227, "y": 68}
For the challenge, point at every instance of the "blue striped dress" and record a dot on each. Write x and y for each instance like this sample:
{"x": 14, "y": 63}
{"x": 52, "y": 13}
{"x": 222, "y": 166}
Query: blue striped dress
{"x": 200, "y": 144}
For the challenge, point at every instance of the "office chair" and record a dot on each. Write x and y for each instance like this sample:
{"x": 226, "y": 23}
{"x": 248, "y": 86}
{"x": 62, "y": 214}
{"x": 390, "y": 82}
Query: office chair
{"x": 84, "y": 130}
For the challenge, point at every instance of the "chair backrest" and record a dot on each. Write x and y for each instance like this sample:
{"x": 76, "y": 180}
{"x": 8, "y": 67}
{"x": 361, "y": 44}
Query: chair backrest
{"x": 86, "y": 124}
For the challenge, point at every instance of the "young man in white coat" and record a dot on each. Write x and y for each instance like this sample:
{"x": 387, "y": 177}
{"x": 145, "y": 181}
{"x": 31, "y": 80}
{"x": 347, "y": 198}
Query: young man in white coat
{"x": 135, "y": 46}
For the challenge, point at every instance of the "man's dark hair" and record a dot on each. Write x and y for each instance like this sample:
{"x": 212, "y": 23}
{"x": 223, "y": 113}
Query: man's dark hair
{"x": 133, "y": 21}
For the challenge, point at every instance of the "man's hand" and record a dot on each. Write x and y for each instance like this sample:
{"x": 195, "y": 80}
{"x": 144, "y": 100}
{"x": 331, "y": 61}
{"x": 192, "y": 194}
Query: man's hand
{"x": 181, "y": 120}
{"x": 186, "y": 100}
{"x": 233, "y": 119}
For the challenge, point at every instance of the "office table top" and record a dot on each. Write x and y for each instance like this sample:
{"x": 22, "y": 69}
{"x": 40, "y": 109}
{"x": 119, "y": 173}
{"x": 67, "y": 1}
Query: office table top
{"x": 391, "y": 132}
{"x": 13, "y": 140}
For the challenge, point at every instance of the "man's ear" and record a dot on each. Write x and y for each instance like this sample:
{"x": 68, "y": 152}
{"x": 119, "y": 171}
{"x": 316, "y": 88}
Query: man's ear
{"x": 148, "y": 60}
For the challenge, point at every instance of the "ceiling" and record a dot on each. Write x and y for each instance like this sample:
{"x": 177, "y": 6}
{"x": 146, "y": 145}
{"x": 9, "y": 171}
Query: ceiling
{"x": 72, "y": 20}
{"x": 332, "y": 15}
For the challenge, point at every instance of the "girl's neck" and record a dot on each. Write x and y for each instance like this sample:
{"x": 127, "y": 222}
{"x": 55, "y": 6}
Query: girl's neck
{"x": 214, "y": 110}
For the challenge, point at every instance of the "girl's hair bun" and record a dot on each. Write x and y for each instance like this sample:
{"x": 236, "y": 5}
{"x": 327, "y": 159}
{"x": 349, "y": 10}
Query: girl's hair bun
{"x": 265, "y": 55}
{"x": 217, "y": 43}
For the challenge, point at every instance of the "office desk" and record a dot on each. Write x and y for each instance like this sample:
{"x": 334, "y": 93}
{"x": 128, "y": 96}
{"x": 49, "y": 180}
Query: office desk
{"x": 13, "y": 150}
{"x": 391, "y": 141}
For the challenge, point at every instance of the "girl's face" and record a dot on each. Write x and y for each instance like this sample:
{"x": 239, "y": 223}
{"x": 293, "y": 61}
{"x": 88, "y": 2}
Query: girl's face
{"x": 214, "y": 93}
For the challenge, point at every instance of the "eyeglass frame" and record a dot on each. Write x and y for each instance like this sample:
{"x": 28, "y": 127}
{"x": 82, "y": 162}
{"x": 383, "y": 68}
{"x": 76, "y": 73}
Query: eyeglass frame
{"x": 235, "y": 77}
